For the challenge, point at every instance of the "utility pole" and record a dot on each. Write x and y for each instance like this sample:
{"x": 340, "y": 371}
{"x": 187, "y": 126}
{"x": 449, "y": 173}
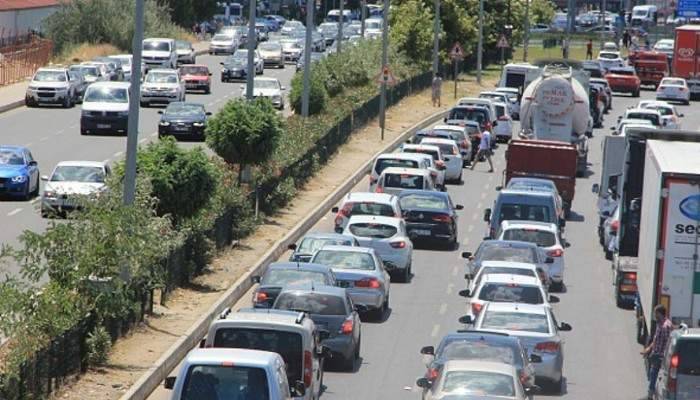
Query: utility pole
{"x": 570, "y": 26}
{"x": 307, "y": 59}
{"x": 603, "y": 8}
{"x": 436, "y": 43}
{"x": 480, "y": 48}
{"x": 363, "y": 17}
{"x": 133, "y": 123}
{"x": 340, "y": 26}
{"x": 385, "y": 62}
{"x": 252, "y": 39}
{"x": 526, "y": 25}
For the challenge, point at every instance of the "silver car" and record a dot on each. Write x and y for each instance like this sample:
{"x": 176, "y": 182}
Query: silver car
{"x": 536, "y": 327}
{"x": 360, "y": 271}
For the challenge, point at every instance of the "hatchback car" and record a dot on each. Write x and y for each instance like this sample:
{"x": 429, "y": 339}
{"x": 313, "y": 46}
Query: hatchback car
{"x": 281, "y": 274}
{"x": 196, "y": 77}
{"x": 505, "y": 288}
{"x": 679, "y": 375}
{"x": 271, "y": 89}
{"x": 538, "y": 330}
{"x": 183, "y": 120}
{"x": 312, "y": 242}
{"x": 644, "y": 113}
{"x": 610, "y": 59}
{"x": 162, "y": 86}
{"x": 673, "y": 89}
{"x": 430, "y": 215}
{"x": 401, "y": 160}
{"x": 360, "y": 271}
{"x": 394, "y": 180}
{"x": 504, "y": 250}
{"x": 334, "y": 314}
{"x": 670, "y": 117}
{"x": 388, "y": 236}
{"x": 509, "y": 267}
{"x": 19, "y": 172}
{"x": 69, "y": 182}
{"x": 360, "y": 203}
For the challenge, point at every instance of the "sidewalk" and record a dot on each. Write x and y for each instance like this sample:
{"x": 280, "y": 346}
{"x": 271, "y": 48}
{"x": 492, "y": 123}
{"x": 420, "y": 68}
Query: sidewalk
{"x": 12, "y": 96}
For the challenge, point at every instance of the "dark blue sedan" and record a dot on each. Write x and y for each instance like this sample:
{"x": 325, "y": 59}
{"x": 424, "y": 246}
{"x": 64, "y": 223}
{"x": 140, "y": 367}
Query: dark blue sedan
{"x": 429, "y": 216}
{"x": 19, "y": 172}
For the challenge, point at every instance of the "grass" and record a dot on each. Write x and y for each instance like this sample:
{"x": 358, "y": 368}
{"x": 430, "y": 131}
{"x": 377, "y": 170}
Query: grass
{"x": 577, "y": 51}
{"x": 85, "y": 52}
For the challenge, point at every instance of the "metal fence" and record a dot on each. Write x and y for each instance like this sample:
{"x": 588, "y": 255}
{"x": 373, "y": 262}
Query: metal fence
{"x": 21, "y": 55}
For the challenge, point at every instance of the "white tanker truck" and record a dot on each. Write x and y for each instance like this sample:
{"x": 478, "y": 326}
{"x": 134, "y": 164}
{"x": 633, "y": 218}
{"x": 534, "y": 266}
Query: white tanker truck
{"x": 555, "y": 107}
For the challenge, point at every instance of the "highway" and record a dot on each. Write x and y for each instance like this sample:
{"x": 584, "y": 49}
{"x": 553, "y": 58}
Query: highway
{"x": 602, "y": 358}
{"x": 53, "y": 135}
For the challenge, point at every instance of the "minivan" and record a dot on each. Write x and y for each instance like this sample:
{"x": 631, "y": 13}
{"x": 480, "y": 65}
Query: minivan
{"x": 105, "y": 108}
{"x": 523, "y": 205}
{"x": 395, "y": 179}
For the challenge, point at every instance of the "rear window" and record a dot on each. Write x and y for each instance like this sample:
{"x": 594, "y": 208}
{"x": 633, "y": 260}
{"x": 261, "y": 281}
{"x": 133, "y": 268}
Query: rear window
{"x": 431, "y": 153}
{"x": 379, "y": 209}
{"x": 310, "y": 245}
{"x": 385, "y": 163}
{"x": 510, "y": 293}
{"x": 225, "y": 382}
{"x": 500, "y": 111}
{"x": 500, "y": 253}
{"x": 649, "y": 117}
{"x": 284, "y": 277}
{"x": 371, "y": 230}
{"x": 413, "y": 201}
{"x": 478, "y": 383}
{"x": 313, "y": 303}
{"x": 345, "y": 259}
{"x": 403, "y": 181}
{"x": 689, "y": 353}
{"x": 286, "y": 344}
{"x": 446, "y": 148}
{"x": 540, "y": 238}
{"x": 663, "y": 110}
{"x": 676, "y": 82}
{"x": 478, "y": 350}
{"x": 470, "y": 114}
{"x": 515, "y": 321}
{"x": 529, "y": 212}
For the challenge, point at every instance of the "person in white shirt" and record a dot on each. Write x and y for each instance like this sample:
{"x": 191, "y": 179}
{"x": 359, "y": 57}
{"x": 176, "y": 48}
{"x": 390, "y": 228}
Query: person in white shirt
{"x": 484, "y": 150}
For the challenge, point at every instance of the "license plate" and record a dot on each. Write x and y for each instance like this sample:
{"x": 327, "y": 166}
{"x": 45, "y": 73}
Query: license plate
{"x": 182, "y": 128}
{"x": 191, "y": 85}
{"x": 422, "y": 232}
{"x": 103, "y": 126}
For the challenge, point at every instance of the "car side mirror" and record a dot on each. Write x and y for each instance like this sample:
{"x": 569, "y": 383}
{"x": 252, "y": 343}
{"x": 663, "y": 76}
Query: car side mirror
{"x": 554, "y": 299}
{"x": 487, "y": 215}
{"x": 160, "y": 112}
{"x": 459, "y": 207}
{"x": 498, "y": 188}
{"x": 210, "y": 74}
{"x": 562, "y": 223}
{"x": 44, "y": 178}
{"x": 567, "y": 245}
{"x": 468, "y": 276}
{"x": 681, "y": 115}
{"x": 323, "y": 334}
{"x": 360, "y": 308}
{"x": 203, "y": 343}
{"x": 428, "y": 350}
{"x": 208, "y": 113}
{"x": 300, "y": 388}
{"x": 334, "y": 210}
{"x": 465, "y": 293}
{"x": 565, "y": 327}
{"x": 467, "y": 255}
{"x": 595, "y": 188}
{"x": 424, "y": 383}
{"x": 292, "y": 247}
{"x": 466, "y": 320}
{"x": 283, "y": 88}
{"x": 255, "y": 279}
{"x": 549, "y": 260}
{"x": 169, "y": 382}
{"x": 530, "y": 390}
{"x": 534, "y": 358}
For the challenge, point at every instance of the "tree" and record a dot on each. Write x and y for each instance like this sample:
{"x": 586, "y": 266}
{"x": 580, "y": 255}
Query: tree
{"x": 318, "y": 95}
{"x": 245, "y": 132}
{"x": 412, "y": 30}
{"x": 542, "y": 11}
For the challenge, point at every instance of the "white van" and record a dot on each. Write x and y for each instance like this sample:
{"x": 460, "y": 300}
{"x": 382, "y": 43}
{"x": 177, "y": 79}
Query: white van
{"x": 334, "y": 16}
{"x": 105, "y": 108}
{"x": 518, "y": 76}
{"x": 644, "y": 15}
{"x": 393, "y": 180}
{"x": 159, "y": 53}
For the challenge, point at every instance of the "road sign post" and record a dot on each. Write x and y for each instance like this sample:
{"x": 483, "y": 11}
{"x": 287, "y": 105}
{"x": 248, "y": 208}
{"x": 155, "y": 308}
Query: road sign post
{"x": 502, "y": 44}
{"x": 456, "y": 54}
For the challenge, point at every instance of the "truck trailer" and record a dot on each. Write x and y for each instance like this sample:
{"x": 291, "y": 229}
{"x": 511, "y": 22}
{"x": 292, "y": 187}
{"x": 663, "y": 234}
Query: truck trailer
{"x": 686, "y": 63}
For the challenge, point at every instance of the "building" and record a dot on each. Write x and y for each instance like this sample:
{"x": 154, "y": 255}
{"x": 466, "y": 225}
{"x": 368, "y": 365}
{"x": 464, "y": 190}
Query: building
{"x": 20, "y": 16}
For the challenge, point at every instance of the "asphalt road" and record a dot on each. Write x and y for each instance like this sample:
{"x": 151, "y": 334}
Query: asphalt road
{"x": 602, "y": 358}
{"x": 53, "y": 135}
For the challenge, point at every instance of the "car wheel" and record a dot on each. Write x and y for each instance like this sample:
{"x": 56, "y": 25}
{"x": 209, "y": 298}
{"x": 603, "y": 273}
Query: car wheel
{"x": 66, "y": 102}
{"x": 83, "y": 132}
{"x": 144, "y": 104}
{"x": 635, "y": 93}
{"x": 558, "y": 386}
{"x": 686, "y": 102}
{"x": 608, "y": 255}
{"x": 27, "y": 195}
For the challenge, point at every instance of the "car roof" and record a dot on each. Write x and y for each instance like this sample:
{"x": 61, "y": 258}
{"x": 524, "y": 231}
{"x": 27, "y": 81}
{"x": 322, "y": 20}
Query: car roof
{"x": 511, "y": 278}
{"x": 262, "y": 315}
{"x": 407, "y": 171}
{"x": 433, "y": 193}
{"x": 518, "y": 307}
{"x": 429, "y": 140}
{"x": 156, "y": 39}
{"x": 327, "y": 235}
{"x": 267, "y": 79}
{"x": 479, "y": 365}
{"x": 110, "y": 84}
{"x": 310, "y": 287}
{"x": 163, "y": 70}
{"x": 379, "y": 219}
{"x": 369, "y": 197}
{"x": 421, "y": 147}
{"x": 507, "y": 243}
{"x": 445, "y": 127}
{"x": 547, "y": 226}
{"x": 639, "y": 121}
{"x": 57, "y": 68}
{"x": 507, "y": 264}
{"x": 244, "y": 357}
{"x": 642, "y": 110}
{"x": 492, "y": 92}
{"x": 347, "y": 249}
{"x": 507, "y": 90}
{"x": 305, "y": 266}
{"x": 527, "y": 179}
{"x": 404, "y": 156}
{"x": 525, "y": 192}
{"x": 98, "y": 164}
{"x": 478, "y": 335}
{"x": 12, "y": 147}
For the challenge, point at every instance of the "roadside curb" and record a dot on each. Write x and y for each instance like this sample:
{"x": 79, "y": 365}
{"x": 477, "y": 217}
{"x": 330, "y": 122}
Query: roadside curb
{"x": 154, "y": 375}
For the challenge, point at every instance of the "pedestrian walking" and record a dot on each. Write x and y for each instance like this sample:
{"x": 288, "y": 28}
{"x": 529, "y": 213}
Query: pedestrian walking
{"x": 589, "y": 49}
{"x": 565, "y": 48}
{"x": 626, "y": 39}
{"x": 437, "y": 90}
{"x": 655, "y": 351}
{"x": 484, "y": 150}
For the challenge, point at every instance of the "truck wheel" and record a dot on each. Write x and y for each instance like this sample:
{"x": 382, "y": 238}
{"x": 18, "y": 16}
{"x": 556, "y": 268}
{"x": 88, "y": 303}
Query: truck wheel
{"x": 635, "y": 93}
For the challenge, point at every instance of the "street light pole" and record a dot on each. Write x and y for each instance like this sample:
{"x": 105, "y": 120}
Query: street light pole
{"x": 134, "y": 103}
{"x": 307, "y": 59}
{"x": 340, "y": 26}
{"x": 363, "y": 16}
{"x": 526, "y": 25}
{"x": 436, "y": 39}
{"x": 480, "y": 48}
{"x": 252, "y": 38}
{"x": 385, "y": 62}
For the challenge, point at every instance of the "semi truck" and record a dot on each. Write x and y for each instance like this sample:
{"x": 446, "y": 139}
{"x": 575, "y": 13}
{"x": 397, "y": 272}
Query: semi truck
{"x": 686, "y": 63}
{"x": 669, "y": 244}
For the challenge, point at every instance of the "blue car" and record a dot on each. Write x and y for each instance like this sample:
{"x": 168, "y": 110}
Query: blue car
{"x": 19, "y": 172}
{"x": 270, "y": 23}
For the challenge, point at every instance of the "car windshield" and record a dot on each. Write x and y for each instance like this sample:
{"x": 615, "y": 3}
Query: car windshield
{"x": 510, "y": 293}
{"x": 182, "y": 45}
{"x": 86, "y": 71}
{"x": 515, "y": 321}
{"x": 285, "y": 277}
{"x": 106, "y": 95}
{"x": 266, "y": 84}
{"x": 625, "y": 72}
{"x": 403, "y": 181}
{"x": 478, "y": 350}
{"x": 674, "y": 82}
{"x": 269, "y": 47}
{"x": 368, "y": 208}
{"x": 529, "y": 212}
{"x": 373, "y": 25}
{"x": 156, "y": 46}
{"x": 454, "y": 135}
{"x": 74, "y": 173}
{"x": 654, "y": 119}
{"x": 433, "y": 153}
{"x": 11, "y": 157}
{"x": 595, "y": 72}
{"x": 479, "y": 383}
{"x": 507, "y": 253}
{"x": 122, "y": 59}
{"x": 310, "y": 244}
{"x": 507, "y": 270}
{"x": 313, "y": 303}
{"x": 689, "y": 354}
{"x": 50, "y": 76}
{"x": 161, "y": 77}
{"x": 184, "y": 110}
{"x": 384, "y": 163}
{"x": 470, "y": 114}
{"x": 373, "y": 230}
{"x": 345, "y": 259}
{"x": 609, "y": 56}
{"x": 445, "y": 148}
{"x": 539, "y": 237}
{"x": 194, "y": 70}
{"x": 224, "y": 381}
{"x": 222, "y": 37}
{"x": 423, "y": 201}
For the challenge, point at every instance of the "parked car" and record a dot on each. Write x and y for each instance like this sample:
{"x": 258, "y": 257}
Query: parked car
{"x": 673, "y": 89}
{"x": 196, "y": 77}
{"x": 162, "y": 86}
{"x": 360, "y": 271}
{"x": 332, "y": 311}
{"x": 430, "y": 215}
{"x": 180, "y": 119}
{"x": 271, "y": 54}
{"x": 19, "y": 172}
{"x": 360, "y": 203}
{"x": 51, "y": 85}
{"x": 623, "y": 79}
{"x": 388, "y": 237}
{"x": 225, "y": 43}
{"x": 185, "y": 52}
{"x": 279, "y": 275}
{"x": 394, "y": 180}
{"x": 314, "y": 241}
{"x": 70, "y": 184}
{"x": 105, "y": 108}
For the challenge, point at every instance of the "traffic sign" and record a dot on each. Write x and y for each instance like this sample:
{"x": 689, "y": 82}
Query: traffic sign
{"x": 502, "y": 42}
{"x": 386, "y": 77}
{"x": 688, "y": 8}
{"x": 457, "y": 52}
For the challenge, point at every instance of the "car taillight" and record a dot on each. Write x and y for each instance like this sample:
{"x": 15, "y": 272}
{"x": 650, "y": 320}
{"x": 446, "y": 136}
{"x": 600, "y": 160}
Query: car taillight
{"x": 555, "y": 253}
{"x": 432, "y": 374}
{"x": 398, "y": 245}
{"x": 615, "y": 225}
{"x": 372, "y": 283}
{"x": 547, "y": 347}
{"x": 372, "y": 180}
{"x": 630, "y": 276}
{"x": 378, "y": 189}
{"x": 476, "y": 308}
{"x": 673, "y": 373}
{"x": 440, "y": 163}
{"x": 346, "y": 328}
{"x": 346, "y": 210}
{"x": 260, "y": 297}
{"x": 442, "y": 218}
{"x": 308, "y": 368}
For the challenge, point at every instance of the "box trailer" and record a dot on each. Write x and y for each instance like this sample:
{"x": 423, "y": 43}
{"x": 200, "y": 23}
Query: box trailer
{"x": 686, "y": 49}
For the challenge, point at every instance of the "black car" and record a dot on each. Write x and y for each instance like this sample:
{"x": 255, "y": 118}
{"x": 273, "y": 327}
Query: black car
{"x": 183, "y": 119}
{"x": 281, "y": 274}
{"x": 429, "y": 215}
{"x": 234, "y": 68}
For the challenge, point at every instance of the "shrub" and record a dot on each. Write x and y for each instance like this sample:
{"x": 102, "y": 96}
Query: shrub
{"x": 318, "y": 94}
{"x": 98, "y": 343}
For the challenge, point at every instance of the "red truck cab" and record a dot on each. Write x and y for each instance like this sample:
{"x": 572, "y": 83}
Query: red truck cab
{"x": 685, "y": 56}
{"x": 651, "y": 66}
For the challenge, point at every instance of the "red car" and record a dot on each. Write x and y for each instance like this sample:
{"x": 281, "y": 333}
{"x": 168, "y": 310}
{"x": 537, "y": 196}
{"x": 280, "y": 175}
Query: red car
{"x": 624, "y": 79}
{"x": 196, "y": 77}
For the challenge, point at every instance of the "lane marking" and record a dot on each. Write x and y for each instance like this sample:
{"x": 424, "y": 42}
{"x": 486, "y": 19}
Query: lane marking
{"x": 479, "y": 205}
{"x": 106, "y": 160}
{"x": 14, "y": 212}
{"x": 449, "y": 288}
{"x": 470, "y": 228}
{"x": 483, "y": 195}
{"x": 436, "y": 329}
{"x": 118, "y": 154}
{"x": 455, "y": 270}
{"x": 443, "y": 309}
{"x": 45, "y": 138}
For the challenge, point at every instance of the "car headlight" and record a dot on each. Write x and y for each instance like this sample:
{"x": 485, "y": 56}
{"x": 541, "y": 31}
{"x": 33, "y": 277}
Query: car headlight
{"x": 33, "y": 88}
{"x": 224, "y": 70}
{"x": 49, "y": 193}
{"x": 198, "y": 124}
{"x": 164, "y": 123}
{"x": 19, "y": 179}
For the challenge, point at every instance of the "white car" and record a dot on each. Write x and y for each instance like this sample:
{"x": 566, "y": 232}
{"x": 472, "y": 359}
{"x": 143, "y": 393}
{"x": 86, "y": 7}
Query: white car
{"x": 291, "y": 49}
{"x": 438, "y": 160}
{"x": 451, "y": 156}
{"x": 610, "y": 59}
{"x": 623, "y": 123}
{"x": 505, "y": 288}
{"x": 225, "y": 43}
{"x": 269, "y": 88}
{"x": 644, "y": 113}
{"x": 514, "y": 98}
{"x": 105, "y": 108}
{"x": 258, "y": 61}
{"x": 69, "y": 181}
{"x": 162, "y": 86}
{"x": 497, "y": 97}
{"x": 271, "y": 54}
{"x": 388, "y": 237}
{"x": 363, "y": 203}
{"x": 126, "y": 60}
{"x": 610, "y": 46}
{"x": 665, "y": 46}
{"x": 503, "y": 129}
{"x": 458, "y": 133}
{"x": 394, "y": 180}
{"x": 669, "y": 113}
{"x": 673, "y": 89}
{"x": 159, "y": 53}
{"x": 546, "y": 236}
{"x": 405, "y": 160}
{"x": 628, "y": 126}
{"x": 508, "y": 267}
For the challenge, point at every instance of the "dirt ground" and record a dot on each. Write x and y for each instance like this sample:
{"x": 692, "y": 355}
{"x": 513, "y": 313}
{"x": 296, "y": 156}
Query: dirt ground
{"x": 134, "y": 354}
